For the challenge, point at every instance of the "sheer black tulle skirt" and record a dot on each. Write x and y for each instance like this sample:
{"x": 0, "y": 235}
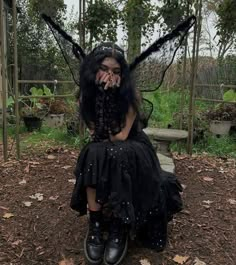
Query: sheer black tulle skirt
{"x": 130, "y": 183}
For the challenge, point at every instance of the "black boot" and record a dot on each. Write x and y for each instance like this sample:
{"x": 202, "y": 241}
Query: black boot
{"x": 117, "y": 243}
{"x": 93, "y": 243}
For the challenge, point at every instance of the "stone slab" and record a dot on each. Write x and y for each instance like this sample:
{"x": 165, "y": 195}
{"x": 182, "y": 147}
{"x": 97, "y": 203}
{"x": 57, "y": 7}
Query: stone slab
{"x": 166, "y": 134}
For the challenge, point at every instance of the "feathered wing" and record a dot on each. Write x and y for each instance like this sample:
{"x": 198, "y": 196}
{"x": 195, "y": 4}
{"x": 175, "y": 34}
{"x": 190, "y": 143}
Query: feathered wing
{"x": 71, "y": 51}
{"x": 150, "y": 66}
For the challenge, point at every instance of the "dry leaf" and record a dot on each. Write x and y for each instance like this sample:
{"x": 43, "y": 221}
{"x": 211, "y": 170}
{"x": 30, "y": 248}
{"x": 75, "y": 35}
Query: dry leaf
{"x": 232, "y": 201}
{"x": 184, "y": 186}
{"x": 16, "y": 243}
{"x": 27, "y": 169}
{"x": 208, "y": 202}
{"x": 53, "y": 198}
{"x": 4, "y": 208}
{"x": 8, "y": 215}
{"x": 198, "y": 262}
{"x": 66, "y": 167}
{"x": 72, "y": 181}
{"x": 180, "y": 259}
{"x": 66, "y": 262}
{"x": 23, "y": 181}
{"x": 207, "y": 179}
{"x": 34, "y": 163}
{"x": 51, "y": 157}
{"x": 144, "y": 262}
{"x": 37, "y": 196}
{"x": 27, "y": 204}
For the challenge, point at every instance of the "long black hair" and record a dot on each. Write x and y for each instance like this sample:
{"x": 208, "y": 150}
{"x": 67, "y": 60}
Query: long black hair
{"x": 126, "y": 93}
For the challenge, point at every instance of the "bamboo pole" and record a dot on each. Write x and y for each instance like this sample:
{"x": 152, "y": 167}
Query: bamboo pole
{"x": 192, "y": 88}
{"x": 215, "y": 85}
{"x": 45, "y": 96}
{"x": 215, "y": 100}
{"x": 4, "y": 87}
{"x": 44, "y": 82}
{"x": 184, "y": 85}
{"x": 199, "y": 28}
{"x": 15, "y": 83}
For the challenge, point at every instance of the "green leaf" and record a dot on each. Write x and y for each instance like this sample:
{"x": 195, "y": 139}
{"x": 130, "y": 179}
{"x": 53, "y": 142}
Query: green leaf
{"x": 47, "y": 91}
{"x": 230, "y": 95}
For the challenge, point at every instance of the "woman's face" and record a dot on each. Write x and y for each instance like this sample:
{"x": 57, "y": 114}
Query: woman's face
{"x": 109, "y": 73}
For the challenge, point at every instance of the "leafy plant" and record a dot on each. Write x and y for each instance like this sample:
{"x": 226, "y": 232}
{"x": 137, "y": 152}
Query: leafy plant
{"x": 222, "y": 113}
{"x": 230, "y": 95}
{"x": 35, "y": 106}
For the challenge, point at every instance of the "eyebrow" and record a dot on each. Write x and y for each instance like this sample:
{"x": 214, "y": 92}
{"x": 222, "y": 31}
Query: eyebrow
{"x": 115, "y": 68}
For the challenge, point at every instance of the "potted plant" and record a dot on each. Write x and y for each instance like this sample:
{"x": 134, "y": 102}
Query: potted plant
{"x": 221, "y": 119}
{"x": 34, "y": 110}
{"x": 56, "y": 112}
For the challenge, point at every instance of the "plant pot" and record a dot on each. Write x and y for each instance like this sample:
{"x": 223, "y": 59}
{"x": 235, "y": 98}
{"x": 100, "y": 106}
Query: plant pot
{"x": 32, "y": 123}
{"x": 220, "y": 127}
{"x": 54, "y": 120}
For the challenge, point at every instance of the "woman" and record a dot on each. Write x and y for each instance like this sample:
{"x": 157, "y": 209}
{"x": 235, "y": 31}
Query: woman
{"x": 119, "y": 169}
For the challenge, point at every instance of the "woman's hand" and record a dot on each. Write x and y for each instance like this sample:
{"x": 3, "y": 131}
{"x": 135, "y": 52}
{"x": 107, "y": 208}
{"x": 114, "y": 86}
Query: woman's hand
{"x": 109, "y": 79}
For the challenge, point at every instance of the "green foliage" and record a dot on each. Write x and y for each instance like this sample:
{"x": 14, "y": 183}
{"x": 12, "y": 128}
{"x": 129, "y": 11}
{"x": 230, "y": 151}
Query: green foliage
{"x": 226, "y": 25}
{"x": 34, "y": 107}
{"x": 37, "y": 52}
{"x": 174, "y": 11}
{"x": 218, "y": 146}
{"x": 230, "y": 95}
{"x": 166, "y": 104}
{"x": 101, "y": 20}
{"x": 52, "y": 136}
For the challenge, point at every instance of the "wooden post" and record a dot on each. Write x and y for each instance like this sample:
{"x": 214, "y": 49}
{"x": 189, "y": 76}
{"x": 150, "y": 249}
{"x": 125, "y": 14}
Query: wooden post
{"x": 192, "y": 84}
{"x": 183, "y": 90}
{"x": 82, "y": 44}
{"x": 4, "y": 87}
{"x": 15, "y": 82}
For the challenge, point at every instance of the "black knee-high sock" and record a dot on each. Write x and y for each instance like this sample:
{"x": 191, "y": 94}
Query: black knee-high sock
{"x": 95, "y": 216}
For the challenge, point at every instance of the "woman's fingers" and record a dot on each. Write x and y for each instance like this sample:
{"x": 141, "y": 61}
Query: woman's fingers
{"x": 109, "y": 79}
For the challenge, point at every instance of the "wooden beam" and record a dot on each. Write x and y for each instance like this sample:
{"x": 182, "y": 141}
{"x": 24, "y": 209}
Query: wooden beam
{"x": 15, "y": 81}
{"x": 4, "y": 87}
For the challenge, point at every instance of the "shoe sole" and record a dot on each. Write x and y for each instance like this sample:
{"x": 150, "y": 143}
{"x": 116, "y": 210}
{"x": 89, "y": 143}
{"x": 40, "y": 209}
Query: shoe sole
{"x": 122, "y": 256}
{"x": 88, "y": 259}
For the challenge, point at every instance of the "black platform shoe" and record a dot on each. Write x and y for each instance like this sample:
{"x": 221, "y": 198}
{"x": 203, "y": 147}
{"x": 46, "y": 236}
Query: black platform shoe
{"x": 117, "y": 243}
{"x": 94, "y": 244}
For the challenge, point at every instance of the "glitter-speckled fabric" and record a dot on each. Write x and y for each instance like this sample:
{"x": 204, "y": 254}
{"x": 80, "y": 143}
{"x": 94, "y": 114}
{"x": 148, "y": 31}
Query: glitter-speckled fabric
{"x": 130, "y": 182}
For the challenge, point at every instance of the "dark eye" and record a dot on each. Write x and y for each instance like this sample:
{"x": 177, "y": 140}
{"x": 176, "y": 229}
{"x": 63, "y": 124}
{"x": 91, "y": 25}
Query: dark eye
{"x": 117, "y": 71}
{"x": 103, "y": 68}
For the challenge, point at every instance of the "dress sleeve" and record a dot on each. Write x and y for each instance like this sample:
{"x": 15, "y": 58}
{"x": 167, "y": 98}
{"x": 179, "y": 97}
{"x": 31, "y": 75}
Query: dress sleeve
{"x": 108, "y": 117}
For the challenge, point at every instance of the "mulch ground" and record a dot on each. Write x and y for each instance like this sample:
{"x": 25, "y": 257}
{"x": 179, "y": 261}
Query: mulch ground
{"x": 38, "y": 226}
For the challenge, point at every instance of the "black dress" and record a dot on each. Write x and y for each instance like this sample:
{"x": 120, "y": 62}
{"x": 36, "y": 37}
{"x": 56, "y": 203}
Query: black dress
{"x": 129, "y": 181}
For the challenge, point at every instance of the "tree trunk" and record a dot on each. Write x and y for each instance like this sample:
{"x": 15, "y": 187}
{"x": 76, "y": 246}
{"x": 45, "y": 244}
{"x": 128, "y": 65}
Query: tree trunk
{"x": 134, "y": 26}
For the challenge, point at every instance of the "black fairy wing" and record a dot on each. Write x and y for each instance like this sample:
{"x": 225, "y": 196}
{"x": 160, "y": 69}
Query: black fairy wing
{"x": 150, "y": 66}
{"x": 71, "y": 51}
